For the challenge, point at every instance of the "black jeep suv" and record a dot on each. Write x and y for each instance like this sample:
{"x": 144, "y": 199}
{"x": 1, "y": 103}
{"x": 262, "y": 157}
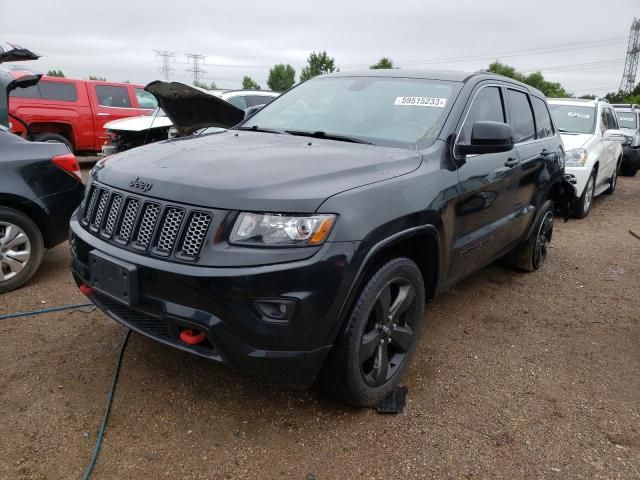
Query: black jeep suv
{"x": 304, "y": 242}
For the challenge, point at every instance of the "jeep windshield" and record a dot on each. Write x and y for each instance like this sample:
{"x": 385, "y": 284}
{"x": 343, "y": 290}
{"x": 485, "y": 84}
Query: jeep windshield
{"x": 573, "y": 118}
{"x": 395, "y": 112}
{"x": 627, "y": 120}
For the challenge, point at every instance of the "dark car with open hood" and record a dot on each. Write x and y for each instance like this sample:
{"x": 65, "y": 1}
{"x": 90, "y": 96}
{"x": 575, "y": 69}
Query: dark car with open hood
{"x": 40, "y": 187}
{"x": 302, "y": 242}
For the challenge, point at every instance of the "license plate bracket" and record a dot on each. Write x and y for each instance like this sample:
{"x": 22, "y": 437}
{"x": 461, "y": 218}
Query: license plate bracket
{"x": 113, "y": 277}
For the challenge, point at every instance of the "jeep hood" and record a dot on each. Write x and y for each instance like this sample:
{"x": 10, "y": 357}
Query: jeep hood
{"x": 243, "y": 170}
{"x": 191, "y": 109}
{"x": 572, "y": 141}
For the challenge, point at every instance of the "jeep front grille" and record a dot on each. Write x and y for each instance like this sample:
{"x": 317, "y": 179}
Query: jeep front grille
{"x": 156, "y": 227}
{"x": 193, "y": 238}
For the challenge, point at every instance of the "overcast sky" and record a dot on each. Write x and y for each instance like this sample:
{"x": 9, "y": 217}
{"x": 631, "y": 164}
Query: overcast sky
{"x": 580, "y": 43}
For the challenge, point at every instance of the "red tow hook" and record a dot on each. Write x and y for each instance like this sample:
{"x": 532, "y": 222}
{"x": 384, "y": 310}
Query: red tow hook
{"x": 86, "y": 289}
{"x": 192, "y": 338}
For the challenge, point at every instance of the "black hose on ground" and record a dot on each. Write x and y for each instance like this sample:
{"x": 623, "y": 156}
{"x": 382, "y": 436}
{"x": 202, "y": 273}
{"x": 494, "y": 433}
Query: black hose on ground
{"x": 114, "y": 380}
{"x": 107, "y": 410}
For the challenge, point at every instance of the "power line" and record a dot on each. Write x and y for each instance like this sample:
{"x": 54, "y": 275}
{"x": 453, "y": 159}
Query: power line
{"x": 196, "y": 70}
{"x": 576, "y": 66}
{"x": 628, "y": 82}
{"x": 166, "y": 56}
{"x": 513, "y": 53}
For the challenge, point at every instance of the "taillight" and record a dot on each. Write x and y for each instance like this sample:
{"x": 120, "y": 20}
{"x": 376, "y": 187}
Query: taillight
{"x": 68, "y": 163}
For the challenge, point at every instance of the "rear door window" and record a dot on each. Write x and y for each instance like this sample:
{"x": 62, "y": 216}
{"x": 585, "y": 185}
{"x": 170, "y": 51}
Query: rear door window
{"x": 113, "y": 96}
{"x": 543, "y": 119}
{"x": 253, "y": 100}
{"x": 487, "y": 106}
{"x": 63, "y": 91}
{"x": 29, "y": 92}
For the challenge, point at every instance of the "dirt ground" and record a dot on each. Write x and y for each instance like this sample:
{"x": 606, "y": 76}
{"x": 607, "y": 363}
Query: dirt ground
{"x": 517, "y": 376}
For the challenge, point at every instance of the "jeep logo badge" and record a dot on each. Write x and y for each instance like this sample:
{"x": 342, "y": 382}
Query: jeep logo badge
{"x": 141, "y": 184}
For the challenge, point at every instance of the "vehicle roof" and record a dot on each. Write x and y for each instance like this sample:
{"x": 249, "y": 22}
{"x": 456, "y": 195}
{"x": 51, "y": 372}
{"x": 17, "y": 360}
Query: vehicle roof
{"x": 20, "y": 73}
{"x": 446, "y": 75}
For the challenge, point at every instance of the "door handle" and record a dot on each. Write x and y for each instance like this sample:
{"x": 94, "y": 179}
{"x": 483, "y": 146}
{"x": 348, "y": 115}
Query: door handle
{"x": 512, "y": 162}
{"x": 103, "y": 114}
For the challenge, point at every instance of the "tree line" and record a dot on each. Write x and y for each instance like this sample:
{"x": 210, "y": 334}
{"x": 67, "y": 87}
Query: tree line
{"x": 283, "y": 76}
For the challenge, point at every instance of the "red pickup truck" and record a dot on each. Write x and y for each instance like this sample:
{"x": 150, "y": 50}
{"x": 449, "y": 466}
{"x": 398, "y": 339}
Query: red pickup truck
{"x": 74, "y": 111}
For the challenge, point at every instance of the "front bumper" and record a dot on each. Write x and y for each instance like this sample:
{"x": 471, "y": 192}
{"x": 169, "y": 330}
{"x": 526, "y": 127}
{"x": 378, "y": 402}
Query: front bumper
{"x": 578, "y": 177}
{"x": 223, "y": 303}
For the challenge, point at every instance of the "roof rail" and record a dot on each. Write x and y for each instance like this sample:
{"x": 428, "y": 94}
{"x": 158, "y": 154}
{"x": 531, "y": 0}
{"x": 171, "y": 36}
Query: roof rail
{"x": 626, "y": 105}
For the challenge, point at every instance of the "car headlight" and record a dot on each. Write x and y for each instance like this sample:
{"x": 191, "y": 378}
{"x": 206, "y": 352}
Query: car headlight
{"x": 577, "y": 156}
{"x": 273, "y": 229}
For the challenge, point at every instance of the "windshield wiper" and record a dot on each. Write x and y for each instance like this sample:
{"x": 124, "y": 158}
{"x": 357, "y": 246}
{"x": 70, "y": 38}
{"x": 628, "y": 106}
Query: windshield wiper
{"x": 327, "y": 136}
{"x": 256, "y": 128}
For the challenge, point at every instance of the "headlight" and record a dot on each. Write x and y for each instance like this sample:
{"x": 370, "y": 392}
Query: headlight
{"x": 575, "y": 157}
{"x": 272, "y": 229}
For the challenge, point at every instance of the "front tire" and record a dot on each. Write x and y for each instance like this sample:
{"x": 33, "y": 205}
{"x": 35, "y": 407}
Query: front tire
{"x": 583, "y": 205}
{"x": 381, "y": 335}
{"x": 21, "y": 249}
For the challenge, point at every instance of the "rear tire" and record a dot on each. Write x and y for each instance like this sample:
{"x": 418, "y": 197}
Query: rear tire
{"x": 531, "y": 254}
{"x": 381, "y": 335}
{"x": 53, "y": 137}
{"x": 21, "y": 249}
{"x": 582, "y": 206}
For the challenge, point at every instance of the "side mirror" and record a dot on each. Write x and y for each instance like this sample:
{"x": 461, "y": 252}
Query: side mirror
{"x": 251, "y": 111}
{"x": 613, "y": 135}
{"x": 488, "y": 137}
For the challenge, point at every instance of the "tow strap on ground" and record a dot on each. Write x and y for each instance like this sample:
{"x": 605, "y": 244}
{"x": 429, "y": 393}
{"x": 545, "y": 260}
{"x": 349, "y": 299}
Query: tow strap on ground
{"x": 114, "y": 381}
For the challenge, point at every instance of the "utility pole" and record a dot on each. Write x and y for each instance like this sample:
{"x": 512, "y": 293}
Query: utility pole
{"x": 628, "y": 82}
{"x": 166, "y": 56}
{"x": 196, "y": 70}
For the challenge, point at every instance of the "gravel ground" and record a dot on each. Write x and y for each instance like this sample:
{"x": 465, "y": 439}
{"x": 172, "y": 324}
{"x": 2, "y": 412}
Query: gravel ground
{"x": 517, "y": 376}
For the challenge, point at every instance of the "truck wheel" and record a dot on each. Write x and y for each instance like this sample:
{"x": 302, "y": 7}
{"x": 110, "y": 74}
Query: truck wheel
{"x": 53, "y": 137}
{"x": 530, "y": 255}
{"x": 370, "y": 357}
{"x": 582, "y": 206}
{"x": 613, "y": 181}
{"x": 21, "y": 249}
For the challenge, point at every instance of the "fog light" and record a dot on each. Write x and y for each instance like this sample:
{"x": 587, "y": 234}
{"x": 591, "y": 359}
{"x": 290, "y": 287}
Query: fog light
{"x": 277, "y": 310}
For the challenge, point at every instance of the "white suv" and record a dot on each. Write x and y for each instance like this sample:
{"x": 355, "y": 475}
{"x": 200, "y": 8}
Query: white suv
{"x": 593, "y": 144}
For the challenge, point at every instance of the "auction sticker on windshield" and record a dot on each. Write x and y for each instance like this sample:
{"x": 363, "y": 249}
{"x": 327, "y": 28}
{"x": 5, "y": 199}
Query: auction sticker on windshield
{"x": 421, "y": 101}
{"x": 579, "y": 115}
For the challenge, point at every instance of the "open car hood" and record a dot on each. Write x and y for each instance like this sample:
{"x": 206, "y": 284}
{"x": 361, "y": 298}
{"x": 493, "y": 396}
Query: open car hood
{"x": 191, "y": 109}
{"x": 10, "y": 52}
